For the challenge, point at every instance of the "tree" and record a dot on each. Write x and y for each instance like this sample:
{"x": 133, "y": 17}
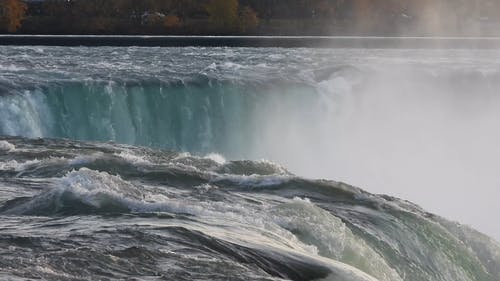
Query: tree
{"x": 171, "y": 22}
{"x": 54, "y": 8}
{"x": 223, "y": 13}
{"x": 364, "y": 15}
{"x": 248, "y": 19}
{"x": 325, "y": 9}
{"x": 13, "y": 12}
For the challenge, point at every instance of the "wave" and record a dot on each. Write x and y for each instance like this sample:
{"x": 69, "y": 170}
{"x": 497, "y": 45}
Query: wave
{"x": 87, "y": 192}
{"x": 255, "y": 217}
{"x": 84, "y": 191}
{"x": 6, "y": 146}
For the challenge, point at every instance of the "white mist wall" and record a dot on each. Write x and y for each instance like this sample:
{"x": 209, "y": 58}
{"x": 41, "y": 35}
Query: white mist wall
{"x": 421, "y": 132}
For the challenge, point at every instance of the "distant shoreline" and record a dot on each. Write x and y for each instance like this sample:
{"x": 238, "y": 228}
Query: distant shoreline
{"x": 254, "y": 41}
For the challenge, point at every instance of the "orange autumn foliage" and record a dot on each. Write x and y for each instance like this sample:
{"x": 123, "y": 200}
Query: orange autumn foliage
{"x": 13, "y": 13}
{"x": 172, "y": 21}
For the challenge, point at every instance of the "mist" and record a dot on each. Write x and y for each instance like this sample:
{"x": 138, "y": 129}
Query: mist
{"x": 428, "y": 133}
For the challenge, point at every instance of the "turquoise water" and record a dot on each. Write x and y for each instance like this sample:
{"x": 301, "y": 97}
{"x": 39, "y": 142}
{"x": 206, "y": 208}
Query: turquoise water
{"x": 111, "y": 157}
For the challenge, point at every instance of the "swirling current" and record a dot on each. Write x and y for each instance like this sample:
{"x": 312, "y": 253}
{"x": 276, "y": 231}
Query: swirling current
{"x": 147, "y": 164}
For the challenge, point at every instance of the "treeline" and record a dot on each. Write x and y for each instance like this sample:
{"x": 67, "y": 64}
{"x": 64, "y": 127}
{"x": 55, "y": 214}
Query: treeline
{"x": 128, "y": 17}
{"x": 256, "y": 17}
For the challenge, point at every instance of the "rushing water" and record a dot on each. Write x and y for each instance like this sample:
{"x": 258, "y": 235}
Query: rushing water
{"x": 166, "y": 204}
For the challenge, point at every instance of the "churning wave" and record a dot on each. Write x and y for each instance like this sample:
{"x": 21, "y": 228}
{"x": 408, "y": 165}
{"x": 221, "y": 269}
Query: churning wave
{"x": 77, "y": 210}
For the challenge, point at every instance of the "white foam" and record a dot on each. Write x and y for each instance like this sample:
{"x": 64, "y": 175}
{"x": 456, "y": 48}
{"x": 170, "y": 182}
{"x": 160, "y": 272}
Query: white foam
{"x": 253, "y": 180}
{"x": 16, "y": 166}
{"x": 182, "y": 155}
{"x": 7, "y": 146}
{"x": 279, "y": 168}
{"x": 11, "y": 67}
{"x": 52, "y": 272}
{"x": 129, "y": 156}
{"x": 231, "y": 65}
{"x": 80, "y": 160}
{"x": 212, "y": 66}
{"x": 89, "y": 183}
{"x": 217, "y": 158}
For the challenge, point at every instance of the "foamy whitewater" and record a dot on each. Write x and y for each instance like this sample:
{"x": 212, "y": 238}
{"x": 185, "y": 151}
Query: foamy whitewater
{"x": 198, "y": 164}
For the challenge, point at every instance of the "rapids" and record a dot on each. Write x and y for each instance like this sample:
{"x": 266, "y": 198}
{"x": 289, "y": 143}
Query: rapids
{"x": 78, "y": 210}
{"x": 149, "y": 163}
